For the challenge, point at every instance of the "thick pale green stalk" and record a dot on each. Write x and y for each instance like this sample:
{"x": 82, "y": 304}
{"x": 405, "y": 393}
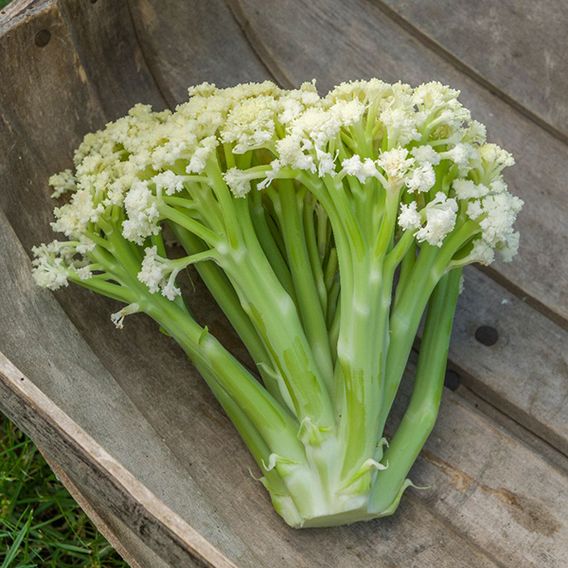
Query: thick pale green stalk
{"x": 422, "y": 411}
{"x": 224, "y": 294}
{"x": 361, "y": 355}
{"x": 277, "y": 427}
{"x": 270, "y": 419}
{"x": 265, "y": 301}
{"x": 276, "y": 320}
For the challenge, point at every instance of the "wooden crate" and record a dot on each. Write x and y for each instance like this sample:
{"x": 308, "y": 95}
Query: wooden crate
{"x": 123, "y": 417}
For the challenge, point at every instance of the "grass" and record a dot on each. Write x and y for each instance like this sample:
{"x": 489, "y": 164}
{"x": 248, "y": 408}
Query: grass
{"x": 40, "y": 523}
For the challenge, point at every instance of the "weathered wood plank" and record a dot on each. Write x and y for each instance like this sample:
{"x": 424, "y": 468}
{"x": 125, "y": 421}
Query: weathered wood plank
{"x": 64, "y": 93}
{"x": 525, "y": 373}
{"x": 520, "y": 48}
{"x": 493, "y": 489}
{"x": 356, "y": 40}
{"x": 130, "y": 547}
{"x": 44, "y": 114}
{"x": 102, "y": 31}
{"x": 123, "y": 493}
{"x": 188, "y": 43}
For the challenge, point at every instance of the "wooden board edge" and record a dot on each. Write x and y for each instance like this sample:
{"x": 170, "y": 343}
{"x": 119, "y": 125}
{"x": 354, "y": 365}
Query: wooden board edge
{"x": 20, "y": 11}
{"x": 101, "y": 524}
{"x": 160, "y": 528}
{"x": 128, "y": 545}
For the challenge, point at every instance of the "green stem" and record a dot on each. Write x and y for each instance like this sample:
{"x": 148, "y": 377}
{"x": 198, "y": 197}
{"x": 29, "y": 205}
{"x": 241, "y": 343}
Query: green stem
{"x": 361, "y": 354}
{"x": 406, "y": 267}
{"x": 226, "y": 202}
{"x": 276, "y": 426}
{"x": 185, "y": 221}
{"x": 114, "y": 291}
{"x": 308, "y": 301}
{"x": 404, "y": 321}
{"x": 276, "y": 320}
{"x": 313, "y": 251}
{"x": 422, "y": 411}
{"x": 430, "y": 265}
{"x": 226, "y": 297}
{"x": 269, "y": 245}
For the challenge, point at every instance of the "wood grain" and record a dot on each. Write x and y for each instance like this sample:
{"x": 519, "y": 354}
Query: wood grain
{"x": 116, "y": 532}
{"x": 525, "y": 373}
{"x": 123, "y": 494}
{"x": 490, "y": 487}
{"x": 189, "y": 43}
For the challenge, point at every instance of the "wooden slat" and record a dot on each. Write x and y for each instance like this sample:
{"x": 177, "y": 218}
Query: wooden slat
{"x": 122, "y": 493}
{"x": 188, "y": 43}
{"x": 102, "y": 31}
{"x": 519, "y": 48}
{"x": 525, "y": 372}
{"x": 130, "y": 547}
{"x": 46, "y": 110}
{"x": 63, "y": 94}
{"x": 494, "y": 490}
{"x": 356, "y": 40}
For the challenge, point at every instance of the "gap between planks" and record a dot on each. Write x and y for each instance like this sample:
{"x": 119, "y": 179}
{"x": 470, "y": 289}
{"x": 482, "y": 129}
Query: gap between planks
{"x": 517, "y": 430}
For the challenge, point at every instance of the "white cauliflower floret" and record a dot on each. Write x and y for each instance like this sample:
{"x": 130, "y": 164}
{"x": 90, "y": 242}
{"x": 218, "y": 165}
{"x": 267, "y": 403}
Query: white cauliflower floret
{"x": 409, "y": 217}
{"x": 361, "y": 169}
{"x": 395, "y": 163}
{"x": 421, "y": 179}
{"x": 158, "y": 274}
{"x": 440, "y": 216}
{"x": 142, "y": 210}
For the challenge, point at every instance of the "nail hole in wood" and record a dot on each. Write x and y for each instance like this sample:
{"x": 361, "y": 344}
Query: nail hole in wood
{"x": 42, "y": 38}
{"x": 486, "y": 335}
{"x": 452, "y": 380}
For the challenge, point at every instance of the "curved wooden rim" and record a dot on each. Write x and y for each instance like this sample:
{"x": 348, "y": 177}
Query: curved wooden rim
{"x": 161, "y": 528}
{"x": 19, "y": 11}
